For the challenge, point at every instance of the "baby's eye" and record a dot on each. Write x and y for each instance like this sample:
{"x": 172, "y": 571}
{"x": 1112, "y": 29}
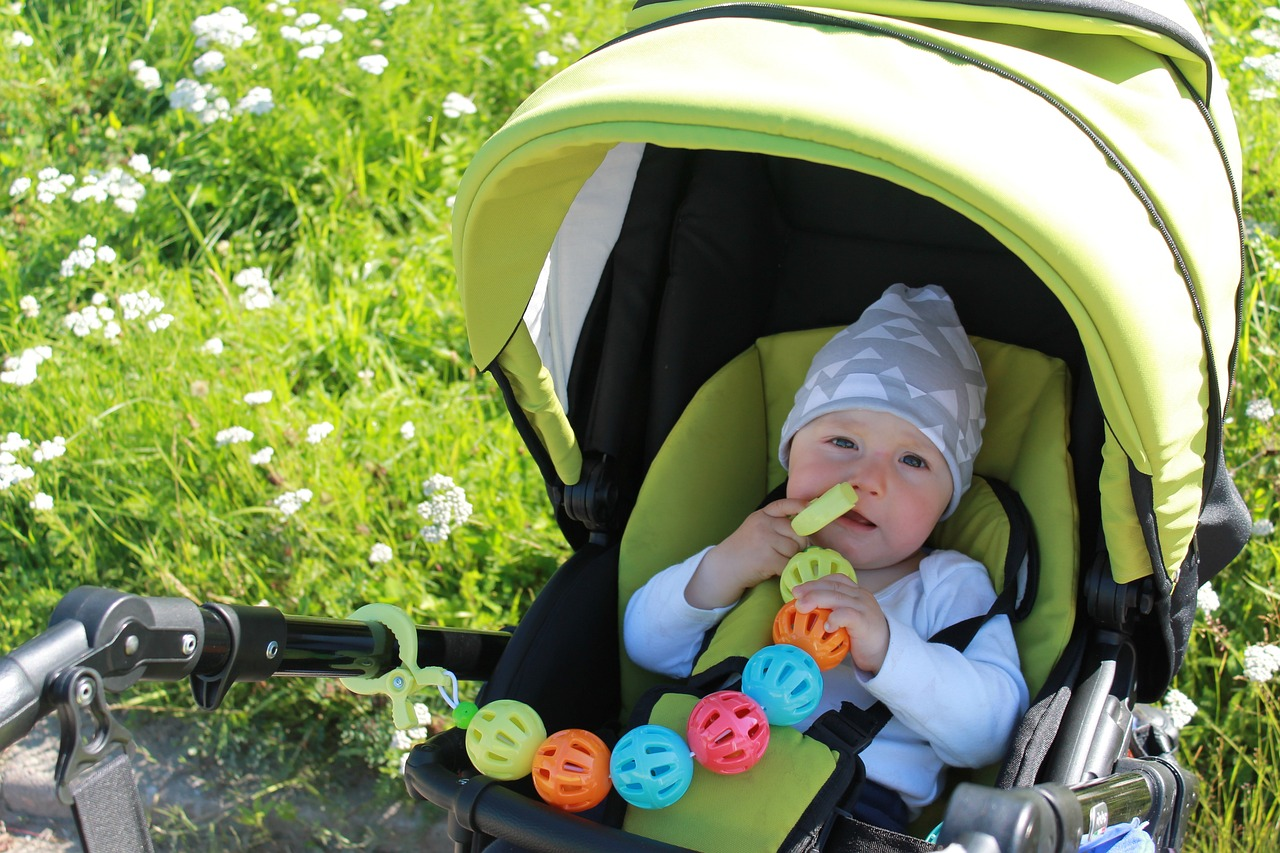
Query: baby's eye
{"x": 914, "y": 461}
{"x": 845, "y": 443}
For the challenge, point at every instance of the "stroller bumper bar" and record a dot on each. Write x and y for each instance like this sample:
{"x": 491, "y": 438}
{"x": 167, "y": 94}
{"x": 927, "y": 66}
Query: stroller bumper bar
{"x": 1047, "y": 817}
{"x": 125, "y": 638}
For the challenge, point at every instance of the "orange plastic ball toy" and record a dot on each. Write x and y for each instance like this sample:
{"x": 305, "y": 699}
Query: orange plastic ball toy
{"x": 807, "y": 631}
{"x": 571, "y": 770}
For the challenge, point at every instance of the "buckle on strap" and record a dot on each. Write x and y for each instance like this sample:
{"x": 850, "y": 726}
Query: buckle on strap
{"x": 850, "y": 729}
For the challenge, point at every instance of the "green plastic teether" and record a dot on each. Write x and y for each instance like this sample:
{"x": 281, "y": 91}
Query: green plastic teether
{"x": 811, "y": 564}
{"x": 824, "y": 509}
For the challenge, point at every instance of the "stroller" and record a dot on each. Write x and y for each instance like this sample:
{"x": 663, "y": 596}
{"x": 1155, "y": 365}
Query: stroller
{"x": 650, "y": 251}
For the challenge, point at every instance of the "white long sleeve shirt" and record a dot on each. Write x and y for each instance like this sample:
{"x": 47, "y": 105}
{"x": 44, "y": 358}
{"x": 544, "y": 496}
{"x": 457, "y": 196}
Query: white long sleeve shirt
{"x": 950, "y": 707}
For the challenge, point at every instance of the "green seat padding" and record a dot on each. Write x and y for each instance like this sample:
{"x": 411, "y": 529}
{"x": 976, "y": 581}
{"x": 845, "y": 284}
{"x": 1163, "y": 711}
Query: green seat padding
{"x": 720, "y": 460}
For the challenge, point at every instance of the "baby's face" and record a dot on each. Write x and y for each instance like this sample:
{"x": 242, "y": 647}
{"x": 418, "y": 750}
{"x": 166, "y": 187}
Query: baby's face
{"x": 902, "y": 481}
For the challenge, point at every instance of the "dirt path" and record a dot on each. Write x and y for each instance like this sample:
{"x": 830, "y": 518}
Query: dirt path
{"x": 201, "y": 805}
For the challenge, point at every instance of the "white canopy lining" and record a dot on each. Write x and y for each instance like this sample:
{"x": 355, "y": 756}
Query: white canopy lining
{"x": 572, "y": 270}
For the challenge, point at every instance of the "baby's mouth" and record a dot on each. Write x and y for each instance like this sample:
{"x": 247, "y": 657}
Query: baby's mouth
{"x": 857, "y": 519}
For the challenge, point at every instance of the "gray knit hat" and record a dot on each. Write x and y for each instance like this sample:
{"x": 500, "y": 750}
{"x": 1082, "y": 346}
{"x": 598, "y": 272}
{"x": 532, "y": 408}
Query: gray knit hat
{"x": 907, "y": 355}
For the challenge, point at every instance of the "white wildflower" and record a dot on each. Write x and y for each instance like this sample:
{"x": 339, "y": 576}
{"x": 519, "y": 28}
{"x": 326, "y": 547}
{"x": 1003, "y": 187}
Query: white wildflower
{"x": 200, "y": 98}
{"x": 42, "y": 502}
{"x": 257, "y": 289}
{"x": 99, "y": 298}
{"x": 83, "y": 256}
{"x": 457, "y": 104}
{"x": 257, "y": 398}
{"x": 19, "y": 186}
{"x": 1207, "y": 599}
{"x": 18, "y": 38}
{"x": 380, "y": 553}
{"x": 365, "y": 376}
{"x": 144, "y": 75}
{"x": 545, "y": 59}
{"x": 106, "y": 254}
{"x": 1268, "y": 65}
{"x": 353, "y": 14}
{"x": 29, "y": 306}
{"x": 14, "y": 442}
{"x": 311, "y": 51}
{"x": 161, "y": 176}
{"x": 159, "y": 322}
{"x": 1261, "y": 662}
{"x": 51, "y": 184}
{"x": 140, "y": 304}
{"x": 291, "y": 502}
{"x": 375, "y": 63}
{"x": 208, "y": 63}
{"x": 21, "y": 370}
{"x": 388, "y": 5}
{"x": 1266, "y": 36}
{"x": 263, "y": 456}
{"x": 84, "y": 322}
{"x": 1179, "y": 707}
{"x": 317, "y": 433}
{"x": 1260, "y": 409}
{"x": 536, "y": 18}
{"x": 213, "y": 346}
{"x": 228, "y": 26}
{"x": 111, "y": 330}
{"x": 233, "y": 435}
{"x": 407, "y": 430}
{"x": 257, "y": 101}
{"x": 1263, "y": 527}
{"x": 51, "y": 449}
{"x": 14, "y": 473}
{"x": 140, "y": 163}
{"x": 308, "y": 19}
{"x": 445, "y": 508}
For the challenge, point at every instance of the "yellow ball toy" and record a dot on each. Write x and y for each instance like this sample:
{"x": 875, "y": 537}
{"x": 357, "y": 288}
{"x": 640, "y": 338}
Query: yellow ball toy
{"x": 503, "y": 739}
{"x": 811, "y": 564}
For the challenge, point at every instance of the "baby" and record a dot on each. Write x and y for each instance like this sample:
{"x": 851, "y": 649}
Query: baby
{"x": 892, "y": 405}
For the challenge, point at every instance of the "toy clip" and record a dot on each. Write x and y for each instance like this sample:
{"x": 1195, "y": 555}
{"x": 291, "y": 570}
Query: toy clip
{"x": 824, "y": 509}
{"x": 405, "y": 680}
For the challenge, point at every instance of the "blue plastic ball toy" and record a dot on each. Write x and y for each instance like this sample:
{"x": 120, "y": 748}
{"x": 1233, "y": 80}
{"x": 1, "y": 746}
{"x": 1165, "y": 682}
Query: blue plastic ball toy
{"x": 651, "y": 767}
{"x": 786, "y": 681}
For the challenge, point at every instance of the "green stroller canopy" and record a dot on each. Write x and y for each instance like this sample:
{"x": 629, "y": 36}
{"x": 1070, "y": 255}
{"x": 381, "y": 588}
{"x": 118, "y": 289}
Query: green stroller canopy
{"x": 1091, "y": 139}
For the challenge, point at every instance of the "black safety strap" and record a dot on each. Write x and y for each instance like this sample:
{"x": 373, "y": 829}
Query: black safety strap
{"x": 108, "y": 809}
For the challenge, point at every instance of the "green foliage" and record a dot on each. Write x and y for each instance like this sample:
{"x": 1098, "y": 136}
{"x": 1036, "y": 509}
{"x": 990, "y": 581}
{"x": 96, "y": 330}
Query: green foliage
{"x": 340, "y": 195}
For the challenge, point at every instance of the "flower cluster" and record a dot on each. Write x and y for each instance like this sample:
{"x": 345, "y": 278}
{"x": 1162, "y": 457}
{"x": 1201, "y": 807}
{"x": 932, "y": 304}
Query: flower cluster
{"x": 142, "y": 305}
{"x": 207, "y": 63}
{"x": 228, "y": 27}
{"x": 1207, "y": 599}
{"x": 233, "y": 435}
{"x": 29, "y": 306}
{"x": 445, "y": 508}
{"x": 257, "y": 291}
{"x": 380, "y": 553}
{"x": 313, "y": 35}
{"x": 457, "y": 104}
{"x": 144, "y": 75}
{"x": 290, "y": 502}
{"x": 1179, "y": 707}
{"x": 317, "y": 433}
{"x": 1260, "y": 409}
{"x": 257, "y": 398}
{"x": 21, "y": 369}
{"x": 1261, "y": 661}
{"x": 13, "y": 471}
{"x": 374, "y": 64}
{"x": 263, "y": 456}
{"x": 86, "y": 253}
{"x": 123, "y": 189}
{"x": 203, "y": 99}
{"x": 52, "y": 184}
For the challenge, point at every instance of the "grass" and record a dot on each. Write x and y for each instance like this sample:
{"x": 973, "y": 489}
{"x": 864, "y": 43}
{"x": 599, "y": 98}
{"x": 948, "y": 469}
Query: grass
{"x": 340, "y": 195}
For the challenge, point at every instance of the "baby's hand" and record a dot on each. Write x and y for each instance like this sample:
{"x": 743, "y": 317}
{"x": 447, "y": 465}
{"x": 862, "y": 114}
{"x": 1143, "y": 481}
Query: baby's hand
{"x": 855, "y": 610}
{"x": 758, "y": 550}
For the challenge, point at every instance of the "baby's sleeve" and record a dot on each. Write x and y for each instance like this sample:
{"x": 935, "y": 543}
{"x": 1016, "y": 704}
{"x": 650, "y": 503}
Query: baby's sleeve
{"x": 661, "y": 631}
